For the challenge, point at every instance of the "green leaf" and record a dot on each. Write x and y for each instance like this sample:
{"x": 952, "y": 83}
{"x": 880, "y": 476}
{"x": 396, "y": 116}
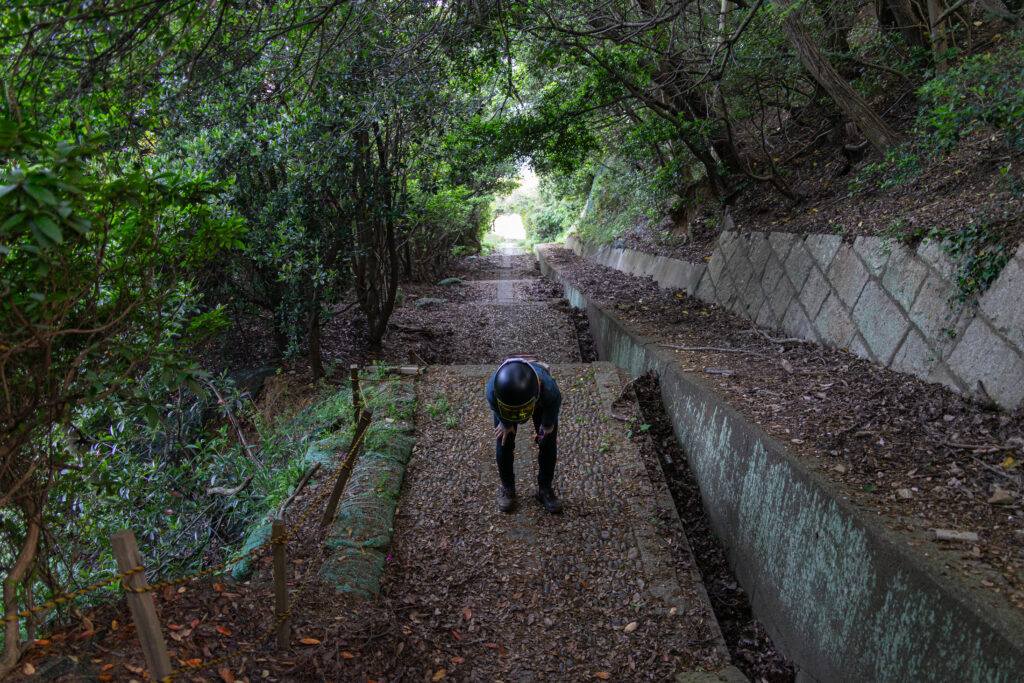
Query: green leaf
{"x": 40, "y": 194}
{"x": 5, "y": 189}
{"x": 50, "y": 229}
{"x": 12, "y": 221}
{"x": 81, "y": 225}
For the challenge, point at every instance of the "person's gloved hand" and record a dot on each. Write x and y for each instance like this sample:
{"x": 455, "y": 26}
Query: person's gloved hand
{"x": 543, "y": 431}
{"x": 502, "y": 432}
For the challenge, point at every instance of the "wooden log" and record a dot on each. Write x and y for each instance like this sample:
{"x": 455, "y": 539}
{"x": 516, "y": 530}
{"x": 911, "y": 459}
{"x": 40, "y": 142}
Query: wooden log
{"x": 346, "y": 470}
{"x": 284, "y": 629}
{"x": 154, "y": 648}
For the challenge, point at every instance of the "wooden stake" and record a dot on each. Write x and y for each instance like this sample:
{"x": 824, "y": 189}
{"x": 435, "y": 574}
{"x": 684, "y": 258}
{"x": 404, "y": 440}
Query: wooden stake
{"x": 346, "y": 470}
{"x": 284, "y": 629}
{"x": 357, "y": 403}
{"x": 126, "y": 550}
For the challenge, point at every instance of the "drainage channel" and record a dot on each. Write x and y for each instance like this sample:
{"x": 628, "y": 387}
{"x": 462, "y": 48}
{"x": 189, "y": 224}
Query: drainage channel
{"x": 750, "y": 647}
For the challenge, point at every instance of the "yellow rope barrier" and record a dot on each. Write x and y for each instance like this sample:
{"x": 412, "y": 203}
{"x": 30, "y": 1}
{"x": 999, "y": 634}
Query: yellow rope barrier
{"x": 356, "y": 442}
{"x": 60, "y": 599}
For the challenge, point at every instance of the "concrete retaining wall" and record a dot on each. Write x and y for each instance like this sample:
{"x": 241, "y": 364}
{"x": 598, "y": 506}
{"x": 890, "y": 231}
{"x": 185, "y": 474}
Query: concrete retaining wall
{"x": 881, "y": 300}
{"x": 839, "y": 593}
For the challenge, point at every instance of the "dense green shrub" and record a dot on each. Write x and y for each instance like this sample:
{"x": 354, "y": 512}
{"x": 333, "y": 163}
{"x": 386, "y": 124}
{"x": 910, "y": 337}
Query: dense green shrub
{"x": 987, "y": 89}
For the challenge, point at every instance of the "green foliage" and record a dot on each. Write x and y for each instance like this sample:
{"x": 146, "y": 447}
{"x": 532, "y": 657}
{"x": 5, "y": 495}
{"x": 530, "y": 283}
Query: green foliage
{"x": 979, "y": 255}
{"x": 986, "y": 90}
{"x": 902, "y": 165}
{"x": 91, "y": 269}
{"x": 979, "y": 251}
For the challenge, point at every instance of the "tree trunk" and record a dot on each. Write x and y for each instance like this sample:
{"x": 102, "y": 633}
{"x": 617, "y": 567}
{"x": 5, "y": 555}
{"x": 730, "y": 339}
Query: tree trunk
{"x": 876, "y": 130}
{"x": 315, "y": 359}
{"x": 18, "y": 572}
{"x": 938, "y": 32}
{"x": 899, "y": 16}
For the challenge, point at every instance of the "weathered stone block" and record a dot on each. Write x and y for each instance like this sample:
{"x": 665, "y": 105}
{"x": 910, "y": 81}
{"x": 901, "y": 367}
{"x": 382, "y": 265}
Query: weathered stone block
{"x": 834, "y": 324}
{"x": 848, "y": 276}
{"x": 882, "y": 323}
{"x": 715, "y": 266}
{"x": 940, "y": 374}
{"x": 932, "y": 254}
{"x": 705, "y": 288}
{"x": 823, "y": 249}
{"x": 725, "y": 290}
{"x": 781, "y": 242}
{"x": 753, "y": 298}
{"x": 857, "y": 347}
{"x": 983, "y": 355}
{"x": 781, "y": 297}
{"x": 796, "y": 323}
{"x": 873, "y": 252}
{"x": 903, "y": 276}
{"x": 798, "y": 264}
{"x": 1003, "y": 304}
{"x": 741, "y": 275}
{"x": 814, "y": 292}
{"x": 766, "y": 318}
{"x": 932, "y": 312}
{"x": 759, "y": 252}
{"x": 773, "y": 272}
{"x": 730, "y": 247}
{"x": 915, "y": 356}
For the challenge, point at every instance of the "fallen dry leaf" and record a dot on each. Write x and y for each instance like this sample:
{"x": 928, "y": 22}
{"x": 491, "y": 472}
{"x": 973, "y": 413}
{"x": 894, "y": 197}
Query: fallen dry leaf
{"x": 467, "y": 614}
{"x": 309, "y": 641}
{"x": 630, "y": 627}
{"x": 226, "y": 675}
{"x": 223, "y": 631}
{"x": 456, "y": 634}
{"x": 441, "y": 673}
{"x": 347, "y": 655}
{"x": 457, "y": 660}
{"x": 603, "y": 675}
{"x": 28, "y": 669}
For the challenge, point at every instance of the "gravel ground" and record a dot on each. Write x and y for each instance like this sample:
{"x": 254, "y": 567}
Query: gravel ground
{"x": 532, "y": 596}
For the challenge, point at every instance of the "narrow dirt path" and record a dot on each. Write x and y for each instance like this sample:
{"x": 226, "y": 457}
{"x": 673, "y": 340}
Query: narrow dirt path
{"x": 607, "y": 590}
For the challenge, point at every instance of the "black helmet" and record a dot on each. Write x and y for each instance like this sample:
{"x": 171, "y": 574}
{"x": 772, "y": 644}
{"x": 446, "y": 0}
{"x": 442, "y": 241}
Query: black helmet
{"x": 516, "y": 388}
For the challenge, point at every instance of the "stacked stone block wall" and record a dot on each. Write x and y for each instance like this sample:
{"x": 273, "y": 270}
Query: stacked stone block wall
{"x": 877, "y": 299}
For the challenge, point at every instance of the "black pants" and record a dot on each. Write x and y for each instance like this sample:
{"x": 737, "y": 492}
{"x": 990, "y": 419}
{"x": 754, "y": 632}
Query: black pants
{"x": 546, "y": 456}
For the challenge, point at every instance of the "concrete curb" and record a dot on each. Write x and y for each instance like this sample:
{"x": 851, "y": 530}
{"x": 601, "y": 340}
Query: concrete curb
{"x": 839, "y": 593}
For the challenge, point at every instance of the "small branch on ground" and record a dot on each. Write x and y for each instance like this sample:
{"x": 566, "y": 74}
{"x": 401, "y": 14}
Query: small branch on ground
{"x": 221, "y": 491}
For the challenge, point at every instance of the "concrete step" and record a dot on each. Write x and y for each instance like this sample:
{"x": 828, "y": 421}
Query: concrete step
{"x": 569, "y": 582}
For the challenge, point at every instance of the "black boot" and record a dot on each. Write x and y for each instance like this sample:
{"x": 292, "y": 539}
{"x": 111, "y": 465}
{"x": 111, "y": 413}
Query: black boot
{"x": 549, "y": 500}
{"x": 507, "y": 498}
